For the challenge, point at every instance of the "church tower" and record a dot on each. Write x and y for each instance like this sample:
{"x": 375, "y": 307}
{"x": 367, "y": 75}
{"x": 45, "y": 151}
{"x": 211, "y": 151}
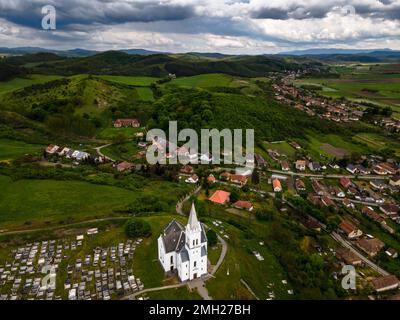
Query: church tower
{"x": 193, "y": 230}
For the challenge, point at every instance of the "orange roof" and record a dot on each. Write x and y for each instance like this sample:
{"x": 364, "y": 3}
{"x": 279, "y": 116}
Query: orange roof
{"x": 211, "y": 178}
{"x": 276, "y": 183}
{"x": 347, "y": 227}
{"x": 238, "y": 178}
{"x": 220, "y": 197}
{"x": 243, "y": 204}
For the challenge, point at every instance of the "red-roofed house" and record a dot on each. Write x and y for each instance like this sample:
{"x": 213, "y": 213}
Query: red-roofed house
{"x": 126, "y": 123}
{"x": 350, "y": 230}
{"x": 220, "y": 197}
{"x": 247, "y": 205}
{"x": 276, "y": 184}
{"x": 345, "y": 182}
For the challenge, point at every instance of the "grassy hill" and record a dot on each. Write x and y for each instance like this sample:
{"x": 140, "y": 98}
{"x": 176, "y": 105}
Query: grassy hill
{"x": 157, "y": 65}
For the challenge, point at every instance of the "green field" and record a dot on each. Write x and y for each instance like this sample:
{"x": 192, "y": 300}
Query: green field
{"x": 111, "y": 132}
{"x": 145, "y": 93}
{"x": 377, "y": 142}
{"x": 19, "y": 83}
{"x": 126, "y": 151}
{"x": 281, "y": 147}
{"x": 378, "y": 88}
{"x": 205, "y": 81}
{"x": 40, "y": 201}
{"x": 132, "y": 81}
{"x": 12, "y": 149}
{"x": 332, "y": 146}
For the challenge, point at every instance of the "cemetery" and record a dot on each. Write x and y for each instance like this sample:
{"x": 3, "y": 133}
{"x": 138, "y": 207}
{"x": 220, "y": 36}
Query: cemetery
{"x": 52, "y": 270}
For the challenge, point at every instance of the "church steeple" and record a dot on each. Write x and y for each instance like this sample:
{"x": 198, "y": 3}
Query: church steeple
{"x": 193, "y": 221}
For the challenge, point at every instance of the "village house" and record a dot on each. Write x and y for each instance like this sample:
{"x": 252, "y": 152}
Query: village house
{"x": 370, "y": 213}
{"x": 349, "y": 230}
{"x": 314, "y": 166}
{"x": 119, "y": 123}
{"x": 260, "y": 161}
{"x": 318, "y": 188}
{"x": 336, "y": 191}
{"x": 389, "y": 209}
{"x": 385, "y": 283}
{"x": 301, "y": 165}
{"x": 186, "y": 169}
{"x": 238, "y": 179}
{"x": 184, "y": 249}
{"x": 385, "y": 168}
{"x": 327, "y": 202}
{"x": 348, "y": 256}
{"x": 348, "y": 204}
{"x": 124, "y": 165}
{"x": 395, "y": 181}
{"x": 345, "y": 182}
{"x": 300, "y": 185}
{"x": 392, "y": 253}
{"x": 370, "y": 246}
{"x": 312, "y": 224}
{"x": 285, "y": 165}
{"x": 246, "y": 205}
{"x": 352, "y": 169}
{"x": 211, "y": 179}
{"x": 220, "y": 197}
{"x": 51, "y": 149}
{"x": 192, "y": 179}
{"x": 378, "y": 185}
{"x": 276, "y": 185}
{"x": 225, "y": 176}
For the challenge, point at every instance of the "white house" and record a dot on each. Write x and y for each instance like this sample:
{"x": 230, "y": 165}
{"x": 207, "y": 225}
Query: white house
{"x": 184, "y": 249}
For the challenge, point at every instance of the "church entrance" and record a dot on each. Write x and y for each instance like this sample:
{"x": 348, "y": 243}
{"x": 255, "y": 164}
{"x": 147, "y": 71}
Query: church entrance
{"x": 172, "y": 268}
{"x": 195, "y": 276}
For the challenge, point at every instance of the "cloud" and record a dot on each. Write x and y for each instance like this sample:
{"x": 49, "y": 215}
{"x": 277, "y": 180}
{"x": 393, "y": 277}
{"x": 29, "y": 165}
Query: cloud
{"x": 240, "y": 26}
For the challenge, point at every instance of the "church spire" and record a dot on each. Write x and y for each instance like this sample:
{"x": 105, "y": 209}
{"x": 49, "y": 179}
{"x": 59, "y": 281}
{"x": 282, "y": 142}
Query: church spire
{"x": 193, "y": 221}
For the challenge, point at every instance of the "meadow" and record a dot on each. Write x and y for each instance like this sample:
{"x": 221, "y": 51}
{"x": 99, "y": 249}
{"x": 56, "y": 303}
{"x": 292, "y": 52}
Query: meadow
{"x": 371, "y": 84}
{"x": 13, "y": 149}
{"x": 132, "y": 81}
{"x": 205, "y": 81}
{"x": 19, "y": 83}
{"x": 31, "y": 202}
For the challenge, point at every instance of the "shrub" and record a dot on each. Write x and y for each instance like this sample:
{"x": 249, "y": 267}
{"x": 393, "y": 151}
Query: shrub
{"x": 137, "y": 228}
{"x": 212, "y": 238}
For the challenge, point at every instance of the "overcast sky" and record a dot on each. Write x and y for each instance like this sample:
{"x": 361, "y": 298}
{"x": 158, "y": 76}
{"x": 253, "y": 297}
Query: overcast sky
{"x": 227, "y": 26}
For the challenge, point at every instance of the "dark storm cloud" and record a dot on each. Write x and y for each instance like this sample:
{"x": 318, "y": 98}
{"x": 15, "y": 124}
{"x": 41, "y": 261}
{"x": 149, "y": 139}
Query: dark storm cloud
{"x": 28, "y": 13}
{"x": 388, "y": 10}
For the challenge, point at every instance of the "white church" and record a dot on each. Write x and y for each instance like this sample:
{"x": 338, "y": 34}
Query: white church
{"x": 184, "y": 249}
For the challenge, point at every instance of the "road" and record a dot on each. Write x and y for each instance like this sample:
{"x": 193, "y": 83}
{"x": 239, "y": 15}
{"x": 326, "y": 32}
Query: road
{"x": 98, "y": 150}
{"x": 23, "y": 231}
{"x": 368, "y": 262}
{"x": 348, "y": 245}
{"x": 371, "y": 204}
{"x": 331, "y": 176}
{"x": 180, "y": 203}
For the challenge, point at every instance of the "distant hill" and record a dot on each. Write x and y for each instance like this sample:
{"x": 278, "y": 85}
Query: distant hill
{"x": 158, "y": 65}
{"x": 331, "y": 51}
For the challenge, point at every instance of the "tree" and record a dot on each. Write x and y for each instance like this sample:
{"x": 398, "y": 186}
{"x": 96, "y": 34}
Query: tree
{"x": 255, "y": 177}
{"x": 212, "y": 238}
{"x": 234, "y": 196}
{"x": 137, "y": 228}
{"x": 120, "y": 138}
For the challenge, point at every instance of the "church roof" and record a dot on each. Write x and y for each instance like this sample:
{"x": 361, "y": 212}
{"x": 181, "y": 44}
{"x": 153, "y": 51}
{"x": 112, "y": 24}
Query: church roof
{"x": 173, "y": 236}
{"x": 184, "y": 255}
{"x": 203, "y": 251}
